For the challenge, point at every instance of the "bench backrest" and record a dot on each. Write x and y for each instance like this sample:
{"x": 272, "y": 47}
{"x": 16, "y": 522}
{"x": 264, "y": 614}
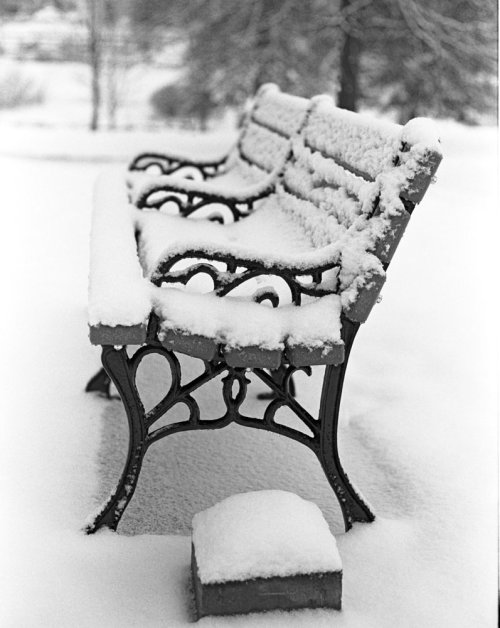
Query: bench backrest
{"x": 352, "y": 183}
{"x": 265, "y": 141}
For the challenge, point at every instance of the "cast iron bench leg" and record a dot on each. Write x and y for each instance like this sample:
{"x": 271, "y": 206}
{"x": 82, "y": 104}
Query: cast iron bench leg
{"x": 352, "y": 505}
{"x": 116, "y": 363}
{"x": 354, "y": 509}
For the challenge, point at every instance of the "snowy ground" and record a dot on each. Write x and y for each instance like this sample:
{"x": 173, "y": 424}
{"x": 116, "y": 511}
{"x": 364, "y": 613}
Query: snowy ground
{"x": 66, "y": 94}
{"x": 419, "y": 430}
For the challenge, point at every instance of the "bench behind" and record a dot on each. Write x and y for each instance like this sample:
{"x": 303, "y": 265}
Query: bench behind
{"x": 261, "y": 149}
{"x": 274, "y": 119}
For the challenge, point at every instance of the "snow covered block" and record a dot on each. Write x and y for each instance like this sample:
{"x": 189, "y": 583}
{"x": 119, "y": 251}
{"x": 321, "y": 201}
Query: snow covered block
{"x": 195, "y": 345}
{"x": 300, "y": 355}
{"x": 264, "y": 550}
{"x": 252, "y": 357}
{"x": 118, "y": 335}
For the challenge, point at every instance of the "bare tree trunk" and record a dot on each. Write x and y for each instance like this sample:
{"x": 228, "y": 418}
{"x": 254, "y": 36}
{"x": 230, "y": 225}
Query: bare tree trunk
{"x": 95, "y": 24}
{"x": 263, "y": 44}
{"x": 349, "y": 67}
{"x": 112, "y": 79}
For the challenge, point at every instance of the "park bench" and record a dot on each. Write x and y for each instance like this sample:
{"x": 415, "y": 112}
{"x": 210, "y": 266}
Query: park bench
{"x": 290, "y": 282}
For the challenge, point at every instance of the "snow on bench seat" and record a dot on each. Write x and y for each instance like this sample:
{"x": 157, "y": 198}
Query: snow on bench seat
{"x": 240, "y": 325}
{"x": 266, "y": 235}
{"x": 250, "y": 550}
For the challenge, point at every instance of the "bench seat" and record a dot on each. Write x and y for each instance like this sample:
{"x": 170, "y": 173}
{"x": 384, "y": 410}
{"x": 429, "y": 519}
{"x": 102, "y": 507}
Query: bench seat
{"x": 267, "y": 234}
{"x": 249, "y": 334}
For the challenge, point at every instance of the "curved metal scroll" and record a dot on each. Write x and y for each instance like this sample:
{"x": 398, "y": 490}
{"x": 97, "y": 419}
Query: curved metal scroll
{"x": 188, "y": 203}
{"x": 238, "y": 272}
{"x": 166, "y": 164}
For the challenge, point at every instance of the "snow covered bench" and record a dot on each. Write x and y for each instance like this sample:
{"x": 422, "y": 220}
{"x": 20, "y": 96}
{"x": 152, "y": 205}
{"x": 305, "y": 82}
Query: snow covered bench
{"x": 316, "y": 249}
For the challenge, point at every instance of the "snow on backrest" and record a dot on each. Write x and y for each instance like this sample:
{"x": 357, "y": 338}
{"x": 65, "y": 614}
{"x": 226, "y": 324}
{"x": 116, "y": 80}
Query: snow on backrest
{"x": 331, "y": 197}
{"x": 275, "y": 118}
{"x": 343, "y": 164}
{"x": 359, "y": 143}
{"x": 345, "y": 183}
{"x": 334, "y": 168}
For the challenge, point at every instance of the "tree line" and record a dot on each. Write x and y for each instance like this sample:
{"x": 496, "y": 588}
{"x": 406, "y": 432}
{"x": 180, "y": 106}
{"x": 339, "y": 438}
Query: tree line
{"x": 410, "y": 57}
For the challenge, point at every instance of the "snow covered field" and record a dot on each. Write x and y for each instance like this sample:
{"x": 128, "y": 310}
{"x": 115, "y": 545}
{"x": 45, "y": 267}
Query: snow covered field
{"x": 66, "y": 94}
{"x": 419, "y": 433}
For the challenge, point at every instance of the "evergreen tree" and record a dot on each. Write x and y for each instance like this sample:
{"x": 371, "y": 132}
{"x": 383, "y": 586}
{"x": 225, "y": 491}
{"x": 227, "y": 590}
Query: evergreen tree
{"x": 433, "y": 57}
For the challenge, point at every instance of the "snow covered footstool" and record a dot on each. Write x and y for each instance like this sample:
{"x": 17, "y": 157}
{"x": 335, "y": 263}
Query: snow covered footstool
{"x": 264, "y": 551}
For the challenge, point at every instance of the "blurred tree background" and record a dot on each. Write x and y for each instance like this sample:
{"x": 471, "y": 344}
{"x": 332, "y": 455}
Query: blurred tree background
{"x": 411, "y": 57}
{"x": 404, "y": 57}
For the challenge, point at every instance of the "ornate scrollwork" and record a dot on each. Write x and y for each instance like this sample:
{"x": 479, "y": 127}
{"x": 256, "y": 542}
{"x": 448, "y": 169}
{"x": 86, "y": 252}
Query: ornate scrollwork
{"x": 188, "y": 202}
{"x": 165, "y": 164}
{"x": 238, "y": 272}
{"x": 233, "y": 399}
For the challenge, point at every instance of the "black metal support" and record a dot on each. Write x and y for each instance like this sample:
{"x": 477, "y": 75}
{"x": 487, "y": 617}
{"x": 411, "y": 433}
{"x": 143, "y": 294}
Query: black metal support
{"x": 278, "y": 375}
{"x": 353, "y": 506}
{"x": 117, "y": 364}
{"x": 319, "y": 434}
{"x": 165, "y": 164}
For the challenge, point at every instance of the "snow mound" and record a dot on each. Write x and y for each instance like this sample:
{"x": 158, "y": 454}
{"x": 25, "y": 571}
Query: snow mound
{"x": 263, "y": 534}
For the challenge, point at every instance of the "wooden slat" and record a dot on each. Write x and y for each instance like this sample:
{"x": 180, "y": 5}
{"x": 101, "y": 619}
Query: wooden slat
{"x": 118, "y": 335}
{"x": 359, "y": 310}
{"x": 417, "y": 187}
{"x": 191, "y": 344}
{"x": 386, "y": 246}
{"x": 252, "y": 357}
{"x": 300, "y": 355}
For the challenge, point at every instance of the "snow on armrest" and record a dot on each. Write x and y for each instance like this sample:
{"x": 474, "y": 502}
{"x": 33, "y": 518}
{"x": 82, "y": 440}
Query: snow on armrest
{"x": 307, "y": 264}
{"x": 165, "y": 183}
{"x": 119, "y": 295}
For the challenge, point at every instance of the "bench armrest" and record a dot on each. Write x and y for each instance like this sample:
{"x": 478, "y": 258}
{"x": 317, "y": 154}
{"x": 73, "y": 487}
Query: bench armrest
{"x": 171, "y": 163}
{"x": 310, "y": 279}
{"x": 190, "y": 196}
